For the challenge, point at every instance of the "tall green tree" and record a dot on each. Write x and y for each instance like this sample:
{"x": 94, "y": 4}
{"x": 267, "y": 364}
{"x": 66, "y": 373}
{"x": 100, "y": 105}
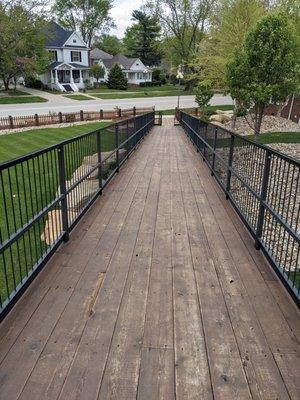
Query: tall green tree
{"x": 88, "y": 17}
{"x": 183, "y": 22}
{"x": 266, "y": 70}
{"x": 22, "y": 47}
{"x": 109, "y": 43}
{"x": 226, "y": 34}
{"x": 142, "y": 38}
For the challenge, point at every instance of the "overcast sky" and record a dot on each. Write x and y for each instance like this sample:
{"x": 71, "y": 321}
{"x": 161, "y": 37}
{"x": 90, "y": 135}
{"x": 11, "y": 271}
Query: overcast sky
{"x": 121, "y": 13}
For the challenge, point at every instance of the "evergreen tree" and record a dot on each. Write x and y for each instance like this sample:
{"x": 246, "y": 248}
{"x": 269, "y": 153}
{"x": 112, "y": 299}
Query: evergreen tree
{"x": 142, "y": 39}
{"x": 116, "y": 78}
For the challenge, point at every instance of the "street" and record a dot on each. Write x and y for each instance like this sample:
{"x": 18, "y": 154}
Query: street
{"x": 58, "y": 103}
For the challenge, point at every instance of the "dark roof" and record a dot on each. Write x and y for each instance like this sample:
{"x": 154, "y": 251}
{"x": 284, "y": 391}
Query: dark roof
{"x": 98, "y": 54}
{"x": 74, "y": 65}
{"x": 56, "y": 36}
{"x": 126, "y": 62}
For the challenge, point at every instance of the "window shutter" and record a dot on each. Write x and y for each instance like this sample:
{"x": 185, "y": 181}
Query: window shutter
{"x": 80, "y": 56}
{"x": 71, "y": 56}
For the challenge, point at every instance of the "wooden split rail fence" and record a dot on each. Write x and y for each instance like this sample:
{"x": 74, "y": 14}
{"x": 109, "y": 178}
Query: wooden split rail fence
{"x": 60, "y": 118}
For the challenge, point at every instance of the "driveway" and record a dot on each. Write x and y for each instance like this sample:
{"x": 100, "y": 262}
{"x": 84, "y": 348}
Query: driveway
{"x": 58, "y": 103}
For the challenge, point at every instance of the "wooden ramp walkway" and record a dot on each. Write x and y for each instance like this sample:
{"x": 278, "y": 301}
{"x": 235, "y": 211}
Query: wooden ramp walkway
{"x": 159, "y": 294}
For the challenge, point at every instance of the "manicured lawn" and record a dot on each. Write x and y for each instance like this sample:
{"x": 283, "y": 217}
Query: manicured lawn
{"x": 13, "y": 93}
{"x": 133, "y": 89}
{"x": 21, "y": 99}
{"x": 276, "y": 137}
{"x": 77, "y": 97}
{"x": 34, "y": 189}
{"x": 17, "y": 144}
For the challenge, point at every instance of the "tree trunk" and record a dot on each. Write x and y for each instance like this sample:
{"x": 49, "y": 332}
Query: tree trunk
{"x": 258, "y": 117}
{"x": 235, "y": 113}
{"x": 6, "y": 82}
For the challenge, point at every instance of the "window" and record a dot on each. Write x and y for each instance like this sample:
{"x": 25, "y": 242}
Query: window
{"x": 131, "y": 75}
{"x": 53, "y": 55}
{"x": 76, "y": 56}
{"x": 74, "y": 41}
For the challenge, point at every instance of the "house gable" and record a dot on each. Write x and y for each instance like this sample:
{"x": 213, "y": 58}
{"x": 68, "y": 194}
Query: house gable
{"x": 75, "y": 41}
{"x": 137, "y": 65}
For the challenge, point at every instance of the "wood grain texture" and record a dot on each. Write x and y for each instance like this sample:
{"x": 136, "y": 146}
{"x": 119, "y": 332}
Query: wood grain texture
{"x": 159, "y": 295}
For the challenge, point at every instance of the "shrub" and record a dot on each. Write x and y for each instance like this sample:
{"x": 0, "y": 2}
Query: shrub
{"x": 117, "y": 79}
{"x": 204, "y": 93}
{"x": 33, "y": 83}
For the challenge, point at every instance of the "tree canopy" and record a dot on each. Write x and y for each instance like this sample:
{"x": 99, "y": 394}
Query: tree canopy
{"x": 265, "y": 70}
{"x": 87, "y": 17}
{"x": 142, "y": 38}
{"x": 22, "y": 51}
{"x": 109, "y": 43}
{"x": 116, "y": 78}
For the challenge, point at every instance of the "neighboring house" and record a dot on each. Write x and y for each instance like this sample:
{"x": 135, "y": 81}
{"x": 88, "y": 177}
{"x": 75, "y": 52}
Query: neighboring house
{"x": 133, "y": 68}
{"x": 70, "y": 60}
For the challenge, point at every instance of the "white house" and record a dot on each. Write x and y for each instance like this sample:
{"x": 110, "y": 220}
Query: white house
{"x": 135, "y": 71}
{"x": 70, "y": 59}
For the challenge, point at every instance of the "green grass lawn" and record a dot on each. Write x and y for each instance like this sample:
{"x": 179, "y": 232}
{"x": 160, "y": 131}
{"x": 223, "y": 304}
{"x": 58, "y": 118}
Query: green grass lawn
{"x": 21, "y": 99}
{"x": 276, "y": 137}
{"x": 12, "y": 92}
{"x": 77, "y": 97}
{"x": 29, "y": 187}
{"x": 20, "y": 143}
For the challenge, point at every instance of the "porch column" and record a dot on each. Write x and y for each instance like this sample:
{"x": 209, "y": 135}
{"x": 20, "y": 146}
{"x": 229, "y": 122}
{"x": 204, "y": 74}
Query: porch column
{"x": 80, "y": 76}
{"x": 51, "y": 76}
{"x": 56, "y": 76}
{"x": 71, "y": 76}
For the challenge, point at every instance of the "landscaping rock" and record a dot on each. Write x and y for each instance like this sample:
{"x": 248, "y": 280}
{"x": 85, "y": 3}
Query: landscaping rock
{"x": 53, "y": 226}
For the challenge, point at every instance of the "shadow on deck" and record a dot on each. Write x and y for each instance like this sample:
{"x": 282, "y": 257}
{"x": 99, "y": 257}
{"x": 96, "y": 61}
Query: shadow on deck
{"x": 158, "y": 294}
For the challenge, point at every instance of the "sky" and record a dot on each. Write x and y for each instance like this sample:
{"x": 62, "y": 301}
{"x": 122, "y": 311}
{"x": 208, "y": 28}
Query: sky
{"x": 121, "y": 13}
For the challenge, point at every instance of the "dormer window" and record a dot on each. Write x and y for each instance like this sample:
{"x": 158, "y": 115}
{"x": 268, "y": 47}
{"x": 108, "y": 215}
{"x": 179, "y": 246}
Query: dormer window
{"x": 75, "y": 56}
{"x": 53, "y": 55}
{"x": 74, "y": 41}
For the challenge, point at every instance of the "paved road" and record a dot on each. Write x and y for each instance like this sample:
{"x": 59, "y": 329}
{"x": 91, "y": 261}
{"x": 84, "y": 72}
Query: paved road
{"x": 58, "y": 103}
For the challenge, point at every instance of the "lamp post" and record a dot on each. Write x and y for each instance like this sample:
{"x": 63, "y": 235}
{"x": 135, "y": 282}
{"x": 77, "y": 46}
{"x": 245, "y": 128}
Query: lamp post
{"x": 144, "y": 75}
{"x": 179, "y": 76}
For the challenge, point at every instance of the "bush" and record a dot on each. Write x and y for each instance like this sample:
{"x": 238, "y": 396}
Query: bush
{"x": 149, "y": 84}
{"x": 204, "y": 93}
{"x": 88, "y": 85}
{"x": 116, "y": 78}
{"x": 34, "y": 83}
{"x": 158, "y": 75}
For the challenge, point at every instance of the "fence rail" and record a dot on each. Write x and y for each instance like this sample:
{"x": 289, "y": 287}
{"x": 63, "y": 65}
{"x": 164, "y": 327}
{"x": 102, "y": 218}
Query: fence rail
{"x": 44, "y": 194}
{"x": 264, "y": 187}
{"x": 60, "y": 118}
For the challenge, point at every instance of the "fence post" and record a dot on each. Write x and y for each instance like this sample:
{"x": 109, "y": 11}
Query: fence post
{"x": 230, "y": 158}
{"x": 196, "y": 111}
{"x": 263, "y": 196}
{"x": 63, "y": 192}
{"x": 60, "y": 117}
{"x": 98, "y": 137}
{"x": 134, "y": 111}
{"x": 101, "y": 114}
{"x": 36, "y": 118}
{"x": 214, "y": 152}
{"x": 11, "y": 122}
{"x": 119, "y": 112}
{"x": 117, "y": 145}
{"x": 81, "y": 115}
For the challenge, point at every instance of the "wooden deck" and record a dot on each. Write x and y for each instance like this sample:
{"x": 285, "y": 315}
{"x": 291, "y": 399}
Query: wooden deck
{"x": 159, "y": 294}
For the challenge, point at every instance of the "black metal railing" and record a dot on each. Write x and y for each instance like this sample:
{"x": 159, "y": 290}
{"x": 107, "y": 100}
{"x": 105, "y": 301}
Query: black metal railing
{"x": 264, "y": 187}
{"x": 44, "y": 194}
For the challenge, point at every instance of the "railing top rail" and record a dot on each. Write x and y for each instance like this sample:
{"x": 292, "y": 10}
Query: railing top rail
{"x": 251, "y": 141}
{"x": 17, "y": 160}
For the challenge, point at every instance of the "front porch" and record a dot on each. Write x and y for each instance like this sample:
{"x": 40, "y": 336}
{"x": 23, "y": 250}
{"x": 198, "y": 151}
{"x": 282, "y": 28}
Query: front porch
{"x": 71, "y": 76}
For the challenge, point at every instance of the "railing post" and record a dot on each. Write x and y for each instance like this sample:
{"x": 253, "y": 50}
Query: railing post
{"x": 230, "y": 158}
{"x": 263, "y": 196}
{"x": 60, "y": 117}
{"x": 81, "y": 115}
{"x": 101, "y": 114}
{"x": 214, "y": 151}
{"x": 36, "y": 118}
{"x": 99, "y": 161}
{"x": 117, "y": 145}
{"x": 134, "y": 111}
{"x": 63, "y": 192}
{"x": 119, "y": 112}
{"x": 11, "y": 122}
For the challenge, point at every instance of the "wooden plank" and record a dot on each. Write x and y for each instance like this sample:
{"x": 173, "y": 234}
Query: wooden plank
{"x": 156, "y": 377}
{"x": 159, "y": 314}
{"x": 226, "y": 370}
{"x": 122, "y": 370}
{"x": 191, "y": 372}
